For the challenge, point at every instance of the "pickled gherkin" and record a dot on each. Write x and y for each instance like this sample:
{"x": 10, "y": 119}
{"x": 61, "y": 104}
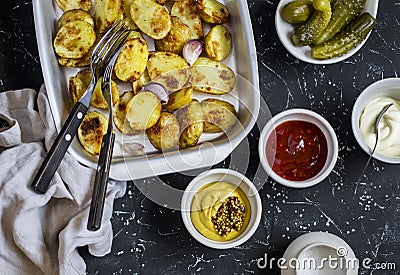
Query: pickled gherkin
{"x": 297, "y": 11}
{"x": 347, "y": 39}
{"x": 343, "y": 12}
{"x": 315, "y": 25}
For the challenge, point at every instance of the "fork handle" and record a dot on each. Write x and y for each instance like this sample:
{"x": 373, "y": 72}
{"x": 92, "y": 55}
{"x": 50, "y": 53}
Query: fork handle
{"x": 58, "y": 149}
{"x": 101, "y": 181}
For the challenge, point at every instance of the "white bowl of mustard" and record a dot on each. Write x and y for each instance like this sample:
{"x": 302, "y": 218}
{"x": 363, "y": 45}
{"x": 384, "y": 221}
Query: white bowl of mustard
{"x": 365, "y": 111}
{"x": 211, "y": 198}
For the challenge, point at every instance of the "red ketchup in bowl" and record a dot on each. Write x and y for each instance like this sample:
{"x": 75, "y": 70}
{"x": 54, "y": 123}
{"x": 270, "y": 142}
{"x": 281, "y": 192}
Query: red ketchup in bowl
{"x": 300, "y": 150}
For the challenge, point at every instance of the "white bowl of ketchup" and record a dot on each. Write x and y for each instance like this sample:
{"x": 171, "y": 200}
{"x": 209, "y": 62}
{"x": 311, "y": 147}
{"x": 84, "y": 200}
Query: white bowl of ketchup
{"x": 298, "y": 148}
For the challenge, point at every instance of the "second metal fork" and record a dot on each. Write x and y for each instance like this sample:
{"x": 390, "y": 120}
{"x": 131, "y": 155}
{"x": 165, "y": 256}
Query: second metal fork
{"x": 107, "y": 146}
{"x": 103, "y": 51}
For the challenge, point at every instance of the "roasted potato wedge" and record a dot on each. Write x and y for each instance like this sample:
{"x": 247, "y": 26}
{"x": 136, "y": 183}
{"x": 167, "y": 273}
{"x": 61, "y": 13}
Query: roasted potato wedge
{"x": 143, "y": 111}
{"x": 218, "y": 43}
{"x": 179, "y": 99}
{"x": 186, "y": 11}
{"x": 135, "y": 34}
{"x": 212, "y": 11}
{"x": 119, "y": 113}
{"x": 176, "y": 38}
{"x": 66, "y": 5}
{"x": 190, "y": 119}
{"x": 91, "y": 131}
{"x": 78, "y": 62}
{"x": 74, "y": 39}
{"x": 74, "y": 15}
{"x": 79, "y": 83}
{"x": 160, "y": 2}
{"x": 75, "y": 63}
{"x": 168, "y": 69}
{"x": 212, "y": 77}
{"x": 106, "y": 13}
{"x": 132, "y": 60}
{"x": 151, "y": 18}
{"x": 126, "y": 14}
{"x": 98, "y": 99}
{"x": 144, "y": 79}
{"x": 164, "y": 135}
{"x": 219, "y": 115}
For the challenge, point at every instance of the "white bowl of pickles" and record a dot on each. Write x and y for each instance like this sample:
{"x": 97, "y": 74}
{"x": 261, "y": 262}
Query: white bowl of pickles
{"x": 324, "y": 31}
{"x": 221, "y": 208}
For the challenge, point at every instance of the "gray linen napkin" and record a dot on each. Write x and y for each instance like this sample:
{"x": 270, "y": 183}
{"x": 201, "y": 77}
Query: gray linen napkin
{"x": 39, "y": 234}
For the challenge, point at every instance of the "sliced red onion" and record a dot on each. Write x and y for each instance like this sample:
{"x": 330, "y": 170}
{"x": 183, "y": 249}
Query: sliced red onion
{"x": 159, "y": 90}
{"x": 134, "y": 148}
{"x": 192, "y": 50}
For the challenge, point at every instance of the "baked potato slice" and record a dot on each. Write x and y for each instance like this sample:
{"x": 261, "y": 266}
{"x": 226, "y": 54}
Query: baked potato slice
{"x": 74, "y": 15}
{"x": 186, "y": 11}
{"x": 135, "y": 34}
{"x": 126, "y": 14}
{"x": 212, "y": 77}
{"x": 212, "y": 11}
{"x": 143, "y": 111}
{"x": 91, "y": 131}
{"x": 169, "y": 70}
{"x": 190, "y": 119}
{"x": 74, "y": 39}
{"x": 179, "y": 99}
{"x": 132, "y": 60}
{"x": 164, "y": 135}
{"x": 79, "y": 83}
{"x": 119, "y": 114}
{"x": 106, "y": 13}
{"x": 79, "y": 62}
{"x": 66, "y": 5}
{"x": 176, "y": 38}
{"x": 219, "y": 115}
{"x": 98, "y": 99}
{"x": 151, "y": 18}
{"x": 218, "y": 43}
{"x": 143, "y": 80}
{"x": 75, "y": 63}
{"x": 160, "y": 2}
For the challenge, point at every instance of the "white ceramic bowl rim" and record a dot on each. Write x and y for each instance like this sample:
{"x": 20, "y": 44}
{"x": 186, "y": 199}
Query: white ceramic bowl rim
{"x": 321, "y": 123}
{"x": 252, "y": 195}
{"x": 385, "y": 87}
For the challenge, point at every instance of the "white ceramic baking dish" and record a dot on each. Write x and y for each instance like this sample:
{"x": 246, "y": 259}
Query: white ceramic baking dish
{"x": 212, "y": 148}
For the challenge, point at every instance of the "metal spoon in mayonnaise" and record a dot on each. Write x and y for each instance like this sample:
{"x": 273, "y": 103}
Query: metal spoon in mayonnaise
{"x": 389, "y": 126}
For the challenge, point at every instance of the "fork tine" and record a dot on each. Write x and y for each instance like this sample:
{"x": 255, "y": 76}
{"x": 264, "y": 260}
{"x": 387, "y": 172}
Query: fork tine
{"x": 115, "y": 46}
{"x": 110, "y": 63}
{"x": 115, "y": 36}
{"x": 103, "y": 41}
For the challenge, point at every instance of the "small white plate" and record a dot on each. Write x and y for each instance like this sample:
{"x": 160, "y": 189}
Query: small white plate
{"x": 301, "y": 242}
{"x": 285, "y": 31}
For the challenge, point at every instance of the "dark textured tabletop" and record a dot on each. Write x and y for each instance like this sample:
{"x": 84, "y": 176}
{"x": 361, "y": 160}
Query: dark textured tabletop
{"x": 151, "y": 239}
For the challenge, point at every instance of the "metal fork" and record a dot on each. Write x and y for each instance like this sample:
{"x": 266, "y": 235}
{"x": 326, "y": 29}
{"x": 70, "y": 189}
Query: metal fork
{"x": 101, "y": 54}
{"x": 107, "y": 146}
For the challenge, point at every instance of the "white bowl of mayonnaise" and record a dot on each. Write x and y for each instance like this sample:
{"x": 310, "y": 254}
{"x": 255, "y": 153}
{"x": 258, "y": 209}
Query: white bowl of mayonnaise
{"x": 365, "y": 112}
